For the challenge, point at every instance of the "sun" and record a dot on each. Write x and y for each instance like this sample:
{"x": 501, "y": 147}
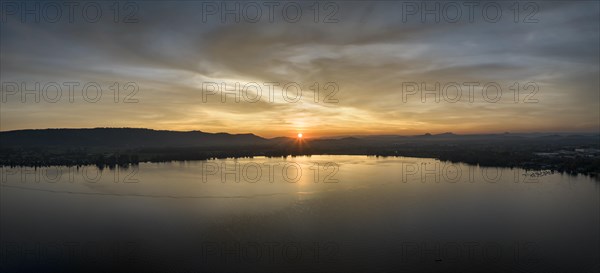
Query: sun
{"x": 299, "y": 135}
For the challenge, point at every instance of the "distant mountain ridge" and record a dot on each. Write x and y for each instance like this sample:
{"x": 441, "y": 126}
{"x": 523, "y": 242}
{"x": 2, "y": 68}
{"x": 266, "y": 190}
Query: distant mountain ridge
{"x": 146, "y": 138}
{"x": 573, "y": 153}
{"x": 122, "y": 137}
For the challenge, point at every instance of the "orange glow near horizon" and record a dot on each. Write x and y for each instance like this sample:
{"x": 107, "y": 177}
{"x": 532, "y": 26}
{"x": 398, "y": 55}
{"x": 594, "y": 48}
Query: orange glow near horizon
{"x": 315, "y": 133}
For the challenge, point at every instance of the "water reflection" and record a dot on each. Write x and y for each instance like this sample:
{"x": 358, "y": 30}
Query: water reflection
{"x": 319, "y": 213}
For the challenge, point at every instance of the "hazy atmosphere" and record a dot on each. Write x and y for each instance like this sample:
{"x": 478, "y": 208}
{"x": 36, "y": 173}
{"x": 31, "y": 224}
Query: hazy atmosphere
{"x": 367, "y": 58}
{"x": 299, "y": 136}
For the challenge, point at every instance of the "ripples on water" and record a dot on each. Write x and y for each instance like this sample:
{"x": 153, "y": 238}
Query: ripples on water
{"x": 319, "y": 213}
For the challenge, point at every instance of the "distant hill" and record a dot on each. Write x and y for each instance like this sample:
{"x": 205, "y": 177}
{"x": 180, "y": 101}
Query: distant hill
{"x": 574, "y": 153}
{"x": 144, "y": 138}
{"x": 122, "y": 138}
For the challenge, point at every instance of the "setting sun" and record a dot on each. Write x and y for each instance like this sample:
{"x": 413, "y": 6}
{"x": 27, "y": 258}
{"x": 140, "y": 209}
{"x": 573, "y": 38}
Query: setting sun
{"x": 458, "y": 137}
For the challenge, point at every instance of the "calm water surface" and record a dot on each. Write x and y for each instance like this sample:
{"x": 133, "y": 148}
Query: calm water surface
{"x": 319, "y": 213}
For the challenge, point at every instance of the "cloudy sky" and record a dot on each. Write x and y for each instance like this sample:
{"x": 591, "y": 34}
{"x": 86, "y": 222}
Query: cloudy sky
{"x": 370, "y": 62}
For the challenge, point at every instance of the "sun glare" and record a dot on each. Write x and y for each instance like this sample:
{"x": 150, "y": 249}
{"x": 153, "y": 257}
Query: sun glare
{"x": 300, "y": 135}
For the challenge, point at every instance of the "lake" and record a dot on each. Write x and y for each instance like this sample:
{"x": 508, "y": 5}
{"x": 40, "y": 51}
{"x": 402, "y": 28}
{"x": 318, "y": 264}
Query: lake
{"x": 318, "y": 213}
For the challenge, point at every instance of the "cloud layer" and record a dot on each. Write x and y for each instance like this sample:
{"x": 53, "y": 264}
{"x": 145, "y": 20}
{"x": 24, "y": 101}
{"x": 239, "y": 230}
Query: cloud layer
{"x": 372, "y": 52}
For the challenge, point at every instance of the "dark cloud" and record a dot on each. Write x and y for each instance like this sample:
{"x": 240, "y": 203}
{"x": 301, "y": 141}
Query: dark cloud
{"x": 369, "y": 53}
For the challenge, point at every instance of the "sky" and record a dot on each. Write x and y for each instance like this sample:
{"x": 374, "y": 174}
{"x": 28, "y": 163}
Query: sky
{"x": 380, "y": 67}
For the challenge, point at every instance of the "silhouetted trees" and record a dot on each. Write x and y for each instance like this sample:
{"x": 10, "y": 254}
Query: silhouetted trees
{"x": 562, "y": 152}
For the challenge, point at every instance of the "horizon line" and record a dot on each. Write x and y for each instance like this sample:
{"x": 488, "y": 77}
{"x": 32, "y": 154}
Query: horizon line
{"x": 321, "y": 137}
